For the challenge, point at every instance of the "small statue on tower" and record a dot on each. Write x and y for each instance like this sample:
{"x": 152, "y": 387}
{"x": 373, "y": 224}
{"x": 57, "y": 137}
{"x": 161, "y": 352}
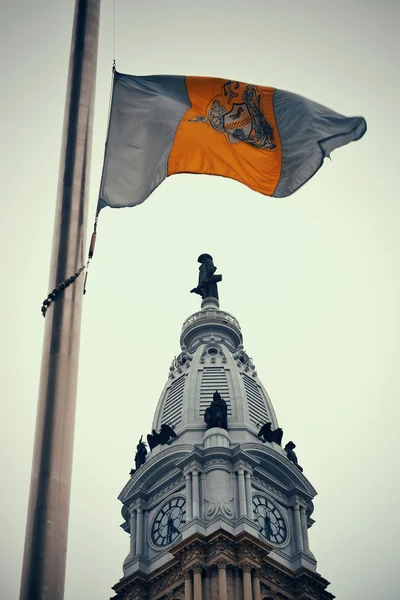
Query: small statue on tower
{"x": 140, "y": 456}
{"x": 207, "y": 287}
{"x": 270, "y": 435}
{"x": 166, "y": 433}
{"x": 216, "y": 415}
{"x": 289, "y": 449}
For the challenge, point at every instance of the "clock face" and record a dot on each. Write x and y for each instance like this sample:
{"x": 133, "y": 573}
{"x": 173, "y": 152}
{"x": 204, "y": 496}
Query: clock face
{"x": 269, "y": 520}
{"x": 169, "y": 519}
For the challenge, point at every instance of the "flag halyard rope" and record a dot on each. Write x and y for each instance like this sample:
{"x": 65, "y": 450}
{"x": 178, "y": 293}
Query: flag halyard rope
{"x": 59, "y": 289}
{"x": 52, "y": 297}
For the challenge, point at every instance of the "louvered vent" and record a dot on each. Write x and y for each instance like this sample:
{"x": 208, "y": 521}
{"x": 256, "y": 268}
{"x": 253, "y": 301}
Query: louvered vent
{"x": 172, "y": 413}
{"x": 257, "y": 410}
{"x": 214, "y": 378}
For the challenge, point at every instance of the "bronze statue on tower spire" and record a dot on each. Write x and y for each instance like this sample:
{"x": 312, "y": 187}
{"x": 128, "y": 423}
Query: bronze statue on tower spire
{"x": 207, "y": 286}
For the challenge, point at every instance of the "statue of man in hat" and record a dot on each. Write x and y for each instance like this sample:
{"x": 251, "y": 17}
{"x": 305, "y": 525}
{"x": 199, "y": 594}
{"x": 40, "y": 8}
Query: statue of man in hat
{"x": 207, "y": 286}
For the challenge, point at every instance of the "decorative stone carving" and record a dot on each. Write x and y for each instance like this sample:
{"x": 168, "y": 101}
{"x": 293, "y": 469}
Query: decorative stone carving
{"x": 217, "y": 461}
{"x": 198, "y": 567}
{"x": 164, "y": 580}
{"x": 209, "y": 348}
{"x": 278, "y": 577}
{"x": 184, "y": 357}
{"x": 246, "y": 566}
{"x": 222, "y": 563}
{"x": 267, "y": 487}
{"x": 175, "y": 483}
{"x": 172, "y": 369}
{"x": 218, "y": 495}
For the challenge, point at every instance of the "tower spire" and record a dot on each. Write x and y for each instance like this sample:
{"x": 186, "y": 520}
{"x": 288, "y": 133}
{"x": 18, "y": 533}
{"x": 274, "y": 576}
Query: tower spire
{"x": 218, "y": 504}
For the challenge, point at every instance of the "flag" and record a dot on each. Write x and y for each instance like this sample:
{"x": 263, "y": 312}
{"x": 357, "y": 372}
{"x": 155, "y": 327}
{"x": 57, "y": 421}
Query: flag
{"x": 271, "y": 140}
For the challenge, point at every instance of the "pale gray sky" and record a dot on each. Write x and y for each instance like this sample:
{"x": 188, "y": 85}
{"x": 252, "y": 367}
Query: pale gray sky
{"x": 313, "y": 278}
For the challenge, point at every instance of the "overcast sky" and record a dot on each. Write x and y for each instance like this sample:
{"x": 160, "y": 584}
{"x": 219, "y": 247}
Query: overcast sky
{"x": 313, "y": 279}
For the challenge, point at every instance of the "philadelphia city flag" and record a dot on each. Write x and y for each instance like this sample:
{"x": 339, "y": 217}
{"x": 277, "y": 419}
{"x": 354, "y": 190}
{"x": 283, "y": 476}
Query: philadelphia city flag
{"x": 271, "y": 140}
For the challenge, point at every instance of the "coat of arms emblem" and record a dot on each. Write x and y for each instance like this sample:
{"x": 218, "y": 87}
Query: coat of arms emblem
{"x": 238, "y": 113}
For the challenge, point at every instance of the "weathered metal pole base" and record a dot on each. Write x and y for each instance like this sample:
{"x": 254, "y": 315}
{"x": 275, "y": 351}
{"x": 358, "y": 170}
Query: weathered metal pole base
{"x": 43, "y": 572}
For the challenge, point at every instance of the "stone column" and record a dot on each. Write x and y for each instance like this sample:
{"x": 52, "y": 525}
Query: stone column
{"x": 222, "y": 582}
{"x": 242, "y": 494}
{"x": 188, "y": 481}
{"x": 249, "y": 498}
{"x": 236, "y": 583}
{"x": 197, "y": 584}
{"x": 303, "y": 515}
{"x": 209, "y": 584}
{"x": 145, "y": 546}
{"x": 139, "y": 531}
{"x": 247, "y": 592}
{"x": 256, "y": 585}
{"x": 203, "y": 487}
{"x": 133, "y": 533}
{"x": 188, "y": 585}
{"x": 195, "y": 487}
{"x": 297, "y": 523}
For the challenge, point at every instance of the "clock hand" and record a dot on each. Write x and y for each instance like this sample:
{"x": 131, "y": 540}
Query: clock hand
{"x": 171, "y": 526}
{"x": 169, "y": 531}
{"x": 268, "y": 528}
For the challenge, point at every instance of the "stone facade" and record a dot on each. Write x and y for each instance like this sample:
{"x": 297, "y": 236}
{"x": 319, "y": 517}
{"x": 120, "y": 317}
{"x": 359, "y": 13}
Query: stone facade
{"x": 223, "y": 566}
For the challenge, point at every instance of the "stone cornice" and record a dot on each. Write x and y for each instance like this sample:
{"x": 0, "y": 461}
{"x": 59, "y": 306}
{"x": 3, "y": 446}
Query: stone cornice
{"x": 203, "y": 554}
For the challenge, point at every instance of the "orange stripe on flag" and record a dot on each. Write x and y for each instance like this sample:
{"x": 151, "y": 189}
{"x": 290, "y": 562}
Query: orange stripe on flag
{"x": 229, "y": 131}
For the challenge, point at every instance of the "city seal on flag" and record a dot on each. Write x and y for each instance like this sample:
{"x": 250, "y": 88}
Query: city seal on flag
{"x": 237, "y": 112}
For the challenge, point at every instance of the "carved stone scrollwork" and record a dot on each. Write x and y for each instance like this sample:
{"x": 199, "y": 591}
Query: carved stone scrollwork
{"x": 184, "y": 358}
{"x": 278, "y": 578}
{"x": 178, "y": 362}
{"x": 198, "y": 567}
{"x": 270, "y": 488}
{"x": 222, "y": 563}
{"x": 178, "y": 480}
{"x": 163, "y": 581}
{"x": 246, "y": 567}
{"x": 212, "y": 345}
{"x": 218, "y": 496}
{"x": 138, "y": 593}
{"x": 217, "y": 462}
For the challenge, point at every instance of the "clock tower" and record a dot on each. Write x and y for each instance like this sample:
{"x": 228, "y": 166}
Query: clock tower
{"x": 218, "y": 505}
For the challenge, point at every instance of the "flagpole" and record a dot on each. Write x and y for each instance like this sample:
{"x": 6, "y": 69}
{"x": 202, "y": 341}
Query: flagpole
{"x": 43, "y": 570}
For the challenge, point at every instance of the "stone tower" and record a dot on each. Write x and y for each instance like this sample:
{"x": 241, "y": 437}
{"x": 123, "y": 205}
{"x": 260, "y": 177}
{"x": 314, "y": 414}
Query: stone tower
{"x": 217, "y": 512}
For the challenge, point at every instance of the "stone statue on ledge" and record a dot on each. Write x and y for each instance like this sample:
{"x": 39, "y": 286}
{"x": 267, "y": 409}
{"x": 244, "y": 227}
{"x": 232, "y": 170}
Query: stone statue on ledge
{"x": 216, "y": 415}
{"x": 289, "y": 449}
{"x": 270, "y": 435}
{"x": 166, "y": 433}
{"x": 140, "y": 456}
{"x": 207, "y": 286}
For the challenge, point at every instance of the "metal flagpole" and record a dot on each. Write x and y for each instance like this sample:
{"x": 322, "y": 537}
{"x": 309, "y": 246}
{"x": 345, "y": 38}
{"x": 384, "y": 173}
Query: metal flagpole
{"x": 43, "y": 570}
